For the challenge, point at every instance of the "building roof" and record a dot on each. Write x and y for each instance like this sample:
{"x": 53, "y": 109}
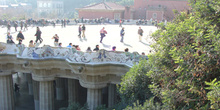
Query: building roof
{"x": 3, "y": 6}
{"x": 103, "y": 6}
{"x": 14, "y": 5}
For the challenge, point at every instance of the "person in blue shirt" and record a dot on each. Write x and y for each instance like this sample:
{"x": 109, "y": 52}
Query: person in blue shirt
{"x": 70, "y": 45}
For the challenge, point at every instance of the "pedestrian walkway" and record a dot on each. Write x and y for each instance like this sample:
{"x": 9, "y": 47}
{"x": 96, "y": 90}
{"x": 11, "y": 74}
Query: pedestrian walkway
{"x": 70, "y": 35}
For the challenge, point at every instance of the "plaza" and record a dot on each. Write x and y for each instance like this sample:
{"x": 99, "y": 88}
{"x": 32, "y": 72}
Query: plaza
{"x": 52, "y": 74}
{"x": 70, "y": 35}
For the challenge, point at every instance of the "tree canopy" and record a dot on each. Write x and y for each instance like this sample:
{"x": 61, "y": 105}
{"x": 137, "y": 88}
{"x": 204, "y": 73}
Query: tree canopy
{"x": 186, "y": 59}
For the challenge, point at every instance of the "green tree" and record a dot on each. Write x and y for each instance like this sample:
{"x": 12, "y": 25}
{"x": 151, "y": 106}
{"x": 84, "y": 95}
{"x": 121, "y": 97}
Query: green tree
{"x": 134, "y": 85}
{"x": 187, "y": 53}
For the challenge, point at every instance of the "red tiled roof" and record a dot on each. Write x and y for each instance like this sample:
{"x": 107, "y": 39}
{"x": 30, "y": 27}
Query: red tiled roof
{"x": 104, "y": 6}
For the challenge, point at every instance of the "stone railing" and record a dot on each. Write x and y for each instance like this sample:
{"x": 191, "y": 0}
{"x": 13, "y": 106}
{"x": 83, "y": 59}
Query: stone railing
{"x": 71, "y": 55}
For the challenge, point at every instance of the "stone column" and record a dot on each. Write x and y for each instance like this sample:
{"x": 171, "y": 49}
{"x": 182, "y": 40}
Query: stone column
{"x": 73, "y": 94}
{"x": 94, "y": 98}
{"x": 30, "y": 85}
{"x": 6, "y": 93}
{"x": 60, "y": 89}
{"x": 111, "y": 95}
{"x": 46, "y": 95}
{"x": 36, "y": 94}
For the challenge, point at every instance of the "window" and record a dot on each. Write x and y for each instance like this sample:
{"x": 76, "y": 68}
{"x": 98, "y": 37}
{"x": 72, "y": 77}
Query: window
{"x": 40, "y": 4}
{"x": 45, "y": 4}
{"x": 154, "y": 15}
{"x": 49, "y": 5}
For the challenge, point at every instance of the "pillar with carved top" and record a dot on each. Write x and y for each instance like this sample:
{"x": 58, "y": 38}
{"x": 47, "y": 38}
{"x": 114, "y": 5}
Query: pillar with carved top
{"x": 36, "y": 94}
{"x": 30, "y": 84}
{"x": 111, "y": 95}
{"x": 73, "y": 94}
{"x": 94, "y": 98}
{"x": 46, "y": 95}
{"x": 60, "y": 89}
{"x": 94, "y": 93}
{"x": 6, "y": 93}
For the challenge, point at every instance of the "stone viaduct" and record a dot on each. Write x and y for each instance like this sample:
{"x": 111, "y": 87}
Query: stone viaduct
{"x": 45, "y": 65}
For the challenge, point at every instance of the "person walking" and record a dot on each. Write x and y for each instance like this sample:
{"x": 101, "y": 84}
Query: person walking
{"x": 122, "y": 33}
{"x": 83, "y": 31}
{"x": 102, "y": 33}
{"x": 38, "y": 35}
{"x": 20, "y": 37}
{"x": 79, "y": 29}
{"x": 56, "y": 40}
{"x": 140, "y": 33}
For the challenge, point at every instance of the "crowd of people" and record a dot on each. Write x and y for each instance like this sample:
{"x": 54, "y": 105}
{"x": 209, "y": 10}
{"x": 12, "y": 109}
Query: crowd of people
{"x": 82, "y": 28}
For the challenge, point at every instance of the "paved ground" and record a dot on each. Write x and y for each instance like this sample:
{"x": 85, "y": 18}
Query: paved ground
{"x": 69, "y": 34}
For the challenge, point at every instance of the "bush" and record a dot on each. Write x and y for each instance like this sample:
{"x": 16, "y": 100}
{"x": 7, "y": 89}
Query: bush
{"x": 75, "y": 106}
{"x": 134, "y": 85}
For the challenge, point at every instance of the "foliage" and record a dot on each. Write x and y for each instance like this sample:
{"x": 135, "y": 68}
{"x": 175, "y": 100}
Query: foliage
{"x": 101, "y": 107}
{"x": 134, "y": 85}
{"x": 148, "y": 105}
{"x": 187, "y": 53}
{"x": 75, "y": 106}
{"x": 214, "y": 94}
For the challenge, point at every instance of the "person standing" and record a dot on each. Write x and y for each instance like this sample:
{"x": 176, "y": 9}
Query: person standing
{"x": 140, "y": 33}
{"x": 120, "y": 23}
{"x": 38, "y": 35}
{"x": 9, "y": 27}
{"x": 80, "y": 29}
{"x": 83, "y": 31}
{"x": 102, "y": 33}
{"x": 9, "y": 38}
{"x": 56, "y": 40}
{"x": 15, "y": 25}
{"x": 21, "y": 24}
{"x": 122, "y": 33}
{"x": 20, "y": 37}
{"x": 25, "y": 26}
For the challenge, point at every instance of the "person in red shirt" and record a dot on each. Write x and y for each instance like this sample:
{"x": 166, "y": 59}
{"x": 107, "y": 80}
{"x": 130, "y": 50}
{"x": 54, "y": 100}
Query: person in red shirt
{"x": 102, "y": 33}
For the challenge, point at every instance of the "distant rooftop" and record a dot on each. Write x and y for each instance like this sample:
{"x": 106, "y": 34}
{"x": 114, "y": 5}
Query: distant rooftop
{"x": 103, "y": 6}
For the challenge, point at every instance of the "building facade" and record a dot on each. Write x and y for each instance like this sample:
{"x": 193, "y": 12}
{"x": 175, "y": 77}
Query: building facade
{"x": 158, "y": 9}
{"x": 50, "y": 7}
{"x": 142, "y": 9}
{"x": 3, "y": 2}
{"x": 103, "y": 9}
